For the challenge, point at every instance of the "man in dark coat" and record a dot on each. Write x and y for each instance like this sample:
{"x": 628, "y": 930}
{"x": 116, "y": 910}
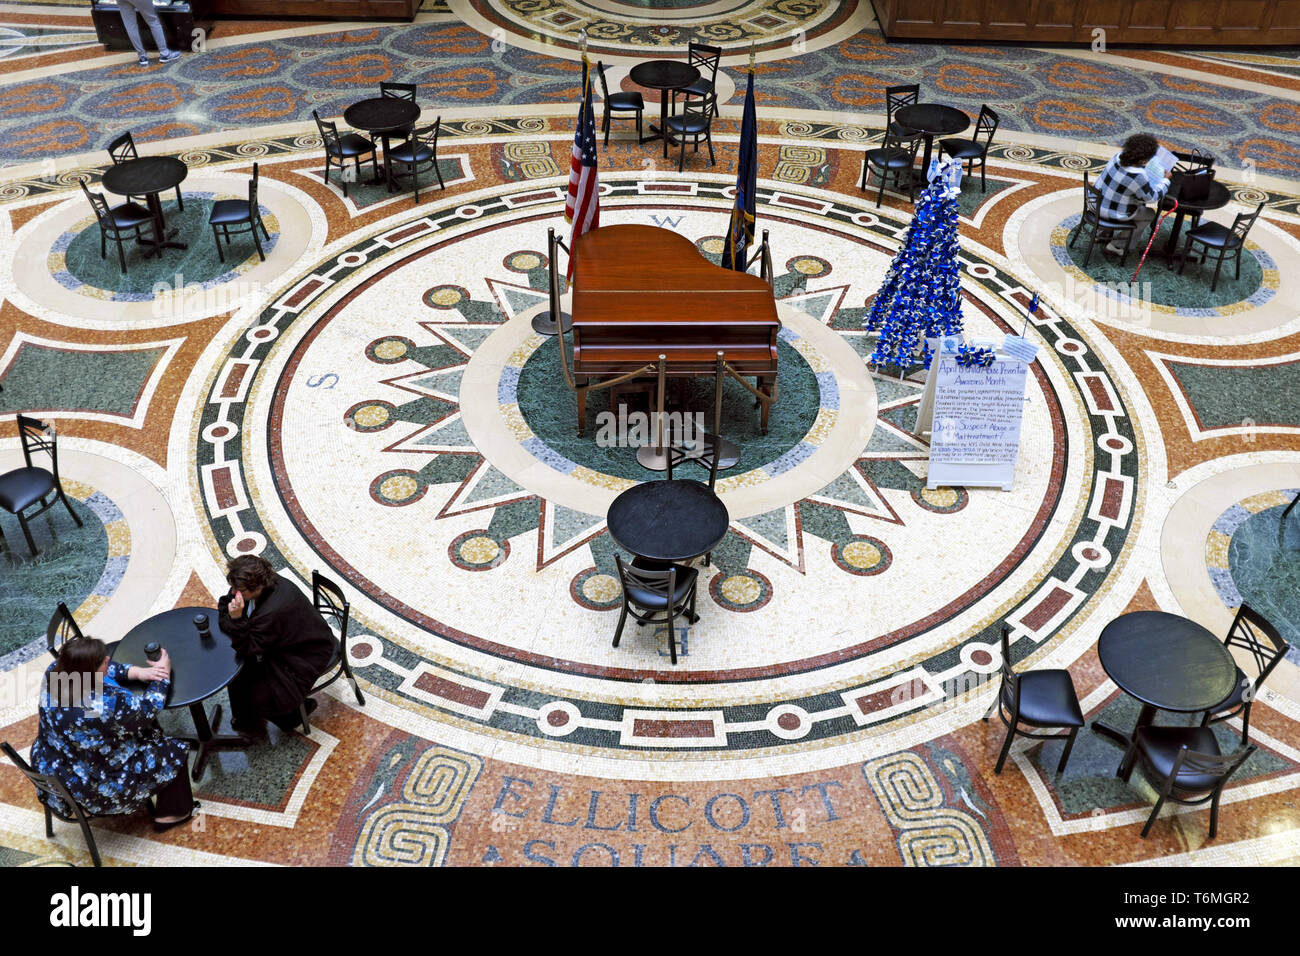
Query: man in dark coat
{"x": 284, "y": 642}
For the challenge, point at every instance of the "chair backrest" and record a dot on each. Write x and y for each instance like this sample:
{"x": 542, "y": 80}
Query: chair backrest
{"x": 1242, "y": 225}
{"x": 398, "y": 91}
{"x": 252, "y": 193}
{"x": 660, "y": 583}
{"x": 122, "y": 149}
{"x": 701, "y": 106}
{"x": 327, "y": 597}
{"x": 36, "y": 437}
{"x": 1253, "y": 633}
{"x": 1091, "y": 201}
{"x": 704, "y": 57}
{"x": 896, "y": 97}
{"x": 604, "y": 84}
{"x": 97, "y": 203}
{"x": 1010, "y": 689}
{"x": 63, "y": 627}
{"x": 44, "y": 782}
{"x": 427, "y": 135}
{"x": 895, "y": 142}
{"x": 329, "y": 132}
{"x": 986, "y": 125}
{"x": 1192, "y": 763}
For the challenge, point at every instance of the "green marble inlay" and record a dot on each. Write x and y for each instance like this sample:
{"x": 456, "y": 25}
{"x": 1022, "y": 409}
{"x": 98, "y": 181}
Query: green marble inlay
{"x": 12, "y": 857}
{"x": 971, "y": 198}
{"x": 199, "y": 263}
{"x": 1188, "y": 291}
{"x": 70, "y": 564}
{"x": 548, "y": 408}
{"x": 1268, "y": 576}
{"x": 72, "y": 380}
{"x": 1235, "y": 395}
{"x": 1089, "y": 781}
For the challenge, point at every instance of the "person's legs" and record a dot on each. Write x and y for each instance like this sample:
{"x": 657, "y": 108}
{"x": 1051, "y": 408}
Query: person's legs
{"x": 175, "y": 800}
{"x": 146, "y": 9}
{"x": 1142, "y": 228}
{"x": 243, "y": 710}
{"x": 127, "y": 12}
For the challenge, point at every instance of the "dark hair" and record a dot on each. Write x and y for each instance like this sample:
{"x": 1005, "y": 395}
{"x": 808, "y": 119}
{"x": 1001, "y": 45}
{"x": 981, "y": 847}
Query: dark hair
{"x": 73, "y": 674}
{"x": 1138, "y": 148}
{"x": 249, "y": 572}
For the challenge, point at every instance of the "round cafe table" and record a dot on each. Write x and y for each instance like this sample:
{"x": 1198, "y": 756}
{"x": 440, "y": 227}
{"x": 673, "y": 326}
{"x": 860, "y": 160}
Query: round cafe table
{"x": 664, "y": 76}
{"x": 148, "y": 176}
{"x": 383, "y": 116}
{"x": 1166, "y": 662}
{"x": 668, "y": 521}
{"x": 200, "y": 668}
{"x": 1216, "y": 198}
{"x": 931, "y": 120}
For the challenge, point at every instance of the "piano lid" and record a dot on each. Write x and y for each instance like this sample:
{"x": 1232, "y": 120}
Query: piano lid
{"x": 633, "y": 274}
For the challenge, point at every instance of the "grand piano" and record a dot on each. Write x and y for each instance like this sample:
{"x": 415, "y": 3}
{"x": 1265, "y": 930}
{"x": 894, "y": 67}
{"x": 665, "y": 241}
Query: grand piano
{"x": 641, "y": 291}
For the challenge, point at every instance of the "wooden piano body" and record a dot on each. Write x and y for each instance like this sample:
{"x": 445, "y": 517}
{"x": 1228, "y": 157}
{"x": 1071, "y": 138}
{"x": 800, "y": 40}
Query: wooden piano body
{"x": 641, "y": 291}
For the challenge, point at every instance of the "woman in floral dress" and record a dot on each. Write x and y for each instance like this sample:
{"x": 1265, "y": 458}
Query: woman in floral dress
{"x": 103, "y": 742}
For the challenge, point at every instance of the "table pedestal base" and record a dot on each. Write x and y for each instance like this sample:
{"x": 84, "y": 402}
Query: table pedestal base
{"x": 207, "y": 741}
{"x": 1145, "y": 719}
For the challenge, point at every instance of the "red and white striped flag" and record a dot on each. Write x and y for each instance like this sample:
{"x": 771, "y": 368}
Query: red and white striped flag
{"x": 582, "y": 208}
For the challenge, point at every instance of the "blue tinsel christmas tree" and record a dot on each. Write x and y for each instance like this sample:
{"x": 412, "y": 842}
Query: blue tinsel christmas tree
{"x": 920, "y": 296}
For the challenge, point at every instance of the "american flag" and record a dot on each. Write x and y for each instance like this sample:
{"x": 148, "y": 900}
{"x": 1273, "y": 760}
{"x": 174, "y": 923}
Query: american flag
{"x": 582, "y": 208}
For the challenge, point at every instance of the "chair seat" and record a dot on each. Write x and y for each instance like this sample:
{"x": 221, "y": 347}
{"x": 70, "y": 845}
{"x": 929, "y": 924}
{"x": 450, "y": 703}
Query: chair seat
{"x": 1214, "y": 235}
{"x": 961, "y": 148}
{"x": 688, "y": 123}
{"x": 1047, "y": 699}
{"x": 351, "y": 144}
{"x": 889, "y": 158}
{"x": 411, "y": 153}
{"x": 903, "y": 132}
{"x": 701, "y": 87}
{"x": 626, "y": 101}
{"x": 1161, "y": 745}
{"x": 647, "y": 599}
{"x": 226, "y": 211}
{"x": 23, "y": 486}
{"x": 129, "y": 214}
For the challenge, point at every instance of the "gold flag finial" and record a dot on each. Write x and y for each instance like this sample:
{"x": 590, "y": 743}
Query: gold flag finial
{"x": 582, "y": 35}
{"x": 751, "y": 56}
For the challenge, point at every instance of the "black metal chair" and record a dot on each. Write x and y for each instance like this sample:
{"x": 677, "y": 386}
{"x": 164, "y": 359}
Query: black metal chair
{"x": 695, "y": 120}
{"x": 1223, "y": 241}
{"x": 895, "y": 159}
{"x": 1099, "y": 229}
{"x": 53, "y": 786}
{"x": 122, "y": 150}
{"x": 238, "y": 212}
{"x": 420, "y": 148}
{"x": 63, "y": 627}
{"x": 972, "y": 151}
{"x": 619, "y": 102}
{"x": 704, "y": 58}
{"x": 398, "y": 91}
{"x": 896, "y": 97}
{"x": 1251, "y": 632}
{"x": 1044, "y": 698}
{"x": 651, "y": 590}
{"x": 330, "y": 603}
{"x": 24, "y": 487}
{"x": 119, "y": 223}
{"x": 340, "y": 148}
{"x": 1186, "y": 766}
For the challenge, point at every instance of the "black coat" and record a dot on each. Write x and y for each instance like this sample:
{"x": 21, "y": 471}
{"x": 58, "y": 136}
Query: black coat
{"x": 292, "y": 640}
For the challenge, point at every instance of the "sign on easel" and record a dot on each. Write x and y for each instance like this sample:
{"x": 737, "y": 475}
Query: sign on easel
{"x": 975, "y": 439}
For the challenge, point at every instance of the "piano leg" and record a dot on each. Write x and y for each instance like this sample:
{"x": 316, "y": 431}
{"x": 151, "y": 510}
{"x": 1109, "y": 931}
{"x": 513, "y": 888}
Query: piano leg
{"x": 765, "y": 384}
{"x": 581, "y": 395}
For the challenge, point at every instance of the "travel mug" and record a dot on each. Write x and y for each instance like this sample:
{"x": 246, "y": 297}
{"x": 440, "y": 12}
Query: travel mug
{"x": 152, "y": 651}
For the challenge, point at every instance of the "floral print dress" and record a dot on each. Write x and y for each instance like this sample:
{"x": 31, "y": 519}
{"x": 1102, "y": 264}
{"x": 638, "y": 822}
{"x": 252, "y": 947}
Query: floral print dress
{"x": 108, "y": 751}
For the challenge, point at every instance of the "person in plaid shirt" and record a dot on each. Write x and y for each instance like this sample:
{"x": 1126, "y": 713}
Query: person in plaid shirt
{"x": 1126, "y": 188}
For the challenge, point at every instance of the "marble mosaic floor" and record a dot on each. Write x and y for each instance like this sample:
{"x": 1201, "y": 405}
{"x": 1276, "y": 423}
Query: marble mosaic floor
{"x": 370, "y": 401}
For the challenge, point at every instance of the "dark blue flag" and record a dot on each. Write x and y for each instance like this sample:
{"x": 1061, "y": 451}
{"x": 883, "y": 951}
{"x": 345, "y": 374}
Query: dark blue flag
{"x": 740, "y": 233}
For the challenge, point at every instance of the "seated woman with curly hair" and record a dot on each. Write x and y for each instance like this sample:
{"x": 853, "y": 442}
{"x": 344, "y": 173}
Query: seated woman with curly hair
{"x": 103, "y": 742}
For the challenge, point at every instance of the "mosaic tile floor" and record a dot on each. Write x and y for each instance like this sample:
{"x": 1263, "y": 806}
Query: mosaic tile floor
{"x": 371, "y": 401}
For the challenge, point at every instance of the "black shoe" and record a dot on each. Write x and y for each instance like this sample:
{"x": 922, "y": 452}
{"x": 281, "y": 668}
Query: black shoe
{"x": 250, "y": 730}
{"x": 164, "y": 827}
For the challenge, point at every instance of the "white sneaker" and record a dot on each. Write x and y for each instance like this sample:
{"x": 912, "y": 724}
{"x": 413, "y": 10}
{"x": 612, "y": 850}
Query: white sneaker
{"x": 1115, "y": 247}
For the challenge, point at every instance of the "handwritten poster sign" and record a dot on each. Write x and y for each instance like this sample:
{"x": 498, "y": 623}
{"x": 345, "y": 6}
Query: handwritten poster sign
{"x": 975, "y": 439}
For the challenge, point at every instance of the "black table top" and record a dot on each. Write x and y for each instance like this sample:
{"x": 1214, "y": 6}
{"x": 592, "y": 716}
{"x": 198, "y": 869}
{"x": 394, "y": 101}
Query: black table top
{"x": 668, "y": 520}
{"x": 382, "y": 114}
{"x": 148, "y": 174}
{"x": 199, "y": 668}
{"x": 932, "y": 118}
{"x": 664, "y": 75}
{"x": 1216, "y": 198}
{"x": 1167, "y": 661}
